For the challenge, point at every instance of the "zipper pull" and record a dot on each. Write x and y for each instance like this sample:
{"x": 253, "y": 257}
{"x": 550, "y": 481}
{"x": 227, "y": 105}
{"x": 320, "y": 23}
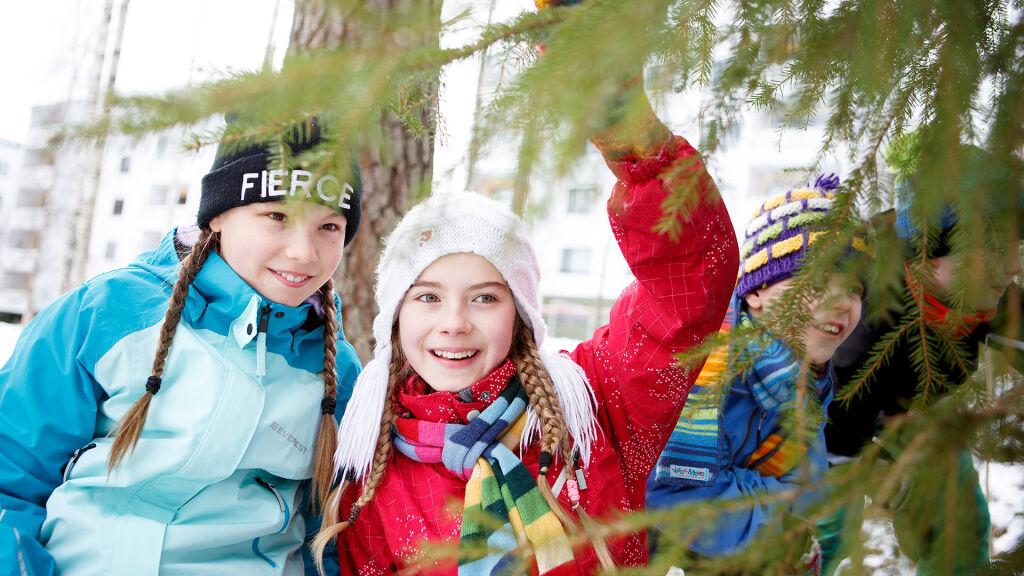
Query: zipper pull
{"x": 273, "y": 490}
{"x": 65, "y": 471}
{"x": 261, "y": 342}
{"x": 580, "y": 480}
{"x": 759, "y": 423}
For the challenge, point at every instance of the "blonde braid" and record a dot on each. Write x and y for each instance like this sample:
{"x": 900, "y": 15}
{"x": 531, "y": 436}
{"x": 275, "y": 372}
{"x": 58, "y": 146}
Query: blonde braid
{"x": 327, "y": 436}
{"x": 537, "y": 383}
{"x": 129, "y": 428}
{"x": 331, "y": 527}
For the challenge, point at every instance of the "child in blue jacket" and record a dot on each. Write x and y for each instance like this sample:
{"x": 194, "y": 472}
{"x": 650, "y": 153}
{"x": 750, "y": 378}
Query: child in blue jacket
{"x": 732, "y": 440}
{"x": 163, "y": 418}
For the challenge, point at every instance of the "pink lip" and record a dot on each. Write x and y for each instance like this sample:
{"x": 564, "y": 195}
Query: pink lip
{"x": 451, "y": 362}
{"x": 842, "y": 328}
{"x": 288, "y": 282}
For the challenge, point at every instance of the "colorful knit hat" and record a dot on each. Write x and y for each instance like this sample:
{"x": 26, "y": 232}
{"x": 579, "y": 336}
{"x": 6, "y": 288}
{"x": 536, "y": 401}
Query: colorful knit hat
{"x": 778, "y": 235}
{"x": 449, "y": 224}
{"x": 979, "y": 173}
{"x": 243, "y": 174}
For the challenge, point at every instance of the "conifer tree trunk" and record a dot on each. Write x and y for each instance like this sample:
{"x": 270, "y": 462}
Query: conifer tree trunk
{"x": 394, "y": 173}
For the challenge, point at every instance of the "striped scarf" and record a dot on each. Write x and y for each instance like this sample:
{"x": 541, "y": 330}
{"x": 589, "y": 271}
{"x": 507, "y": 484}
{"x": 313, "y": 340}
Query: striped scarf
{"x": 498, "y": 485}
{"x": 696, "y": 450}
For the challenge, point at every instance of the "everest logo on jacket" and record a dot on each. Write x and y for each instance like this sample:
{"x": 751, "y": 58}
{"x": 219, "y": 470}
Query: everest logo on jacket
{"x": 274, "y": 183}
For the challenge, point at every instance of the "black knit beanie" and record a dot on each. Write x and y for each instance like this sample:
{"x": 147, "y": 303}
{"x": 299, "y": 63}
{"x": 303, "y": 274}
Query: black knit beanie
{"x": 241, "y": 175}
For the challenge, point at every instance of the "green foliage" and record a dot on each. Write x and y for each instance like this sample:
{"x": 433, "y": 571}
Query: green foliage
{"x": 902, "y": 86}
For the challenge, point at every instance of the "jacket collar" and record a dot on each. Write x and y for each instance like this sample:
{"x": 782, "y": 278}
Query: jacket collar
{"x": 219, "y": 293}
{"x": 220, "y": 300}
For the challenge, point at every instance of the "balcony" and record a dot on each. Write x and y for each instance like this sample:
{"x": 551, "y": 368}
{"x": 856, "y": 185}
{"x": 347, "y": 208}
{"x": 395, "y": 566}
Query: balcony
{"x": 26, "y": 218}
{"x": 19, "y": 260}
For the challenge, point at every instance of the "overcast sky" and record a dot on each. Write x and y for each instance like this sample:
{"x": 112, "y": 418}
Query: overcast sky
{"x": 169, "y": 44}
{"x": 166, "y": 44}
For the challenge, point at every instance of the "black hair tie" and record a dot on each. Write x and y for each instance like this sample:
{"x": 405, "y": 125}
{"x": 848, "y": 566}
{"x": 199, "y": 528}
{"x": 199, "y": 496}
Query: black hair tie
{"x": 327, "y": 405}
{"x": 544, "y": 461}
{"x": 153, "y": 385}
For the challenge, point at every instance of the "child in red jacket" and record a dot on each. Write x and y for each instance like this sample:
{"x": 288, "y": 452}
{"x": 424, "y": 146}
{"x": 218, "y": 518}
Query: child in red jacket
{"x": 458, "y": 404}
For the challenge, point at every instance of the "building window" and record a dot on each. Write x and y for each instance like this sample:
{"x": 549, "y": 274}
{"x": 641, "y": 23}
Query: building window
{"x": 118, "y": 206}
{"x": 126, "y": 164}
{"x": 582, "y": 200}
{"x": 31, "y": 197}
{"x": 23, "y": 239}
{"x": 3, "y": 168}
{"x": 111, "y": 250}
{"x": 576, "y": 260}
{"x": 182, "y": 195}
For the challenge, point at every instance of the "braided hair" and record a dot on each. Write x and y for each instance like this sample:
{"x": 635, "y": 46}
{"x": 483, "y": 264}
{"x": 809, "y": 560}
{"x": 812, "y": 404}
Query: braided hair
{"x": 331, "y": 527}
{"x": 541, "y": 393}
{"x": 129, "y": 428}
{"x": 542, "y": 397}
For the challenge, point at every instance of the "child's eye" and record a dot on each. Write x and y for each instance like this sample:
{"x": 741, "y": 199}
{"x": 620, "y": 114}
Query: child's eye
{"x": 485, "y": 299}
{"x": 857, "y": 289}
{"x": 427, "y": 298}
{"x": 277, "y": 216}
{"x": 331, "y": 226}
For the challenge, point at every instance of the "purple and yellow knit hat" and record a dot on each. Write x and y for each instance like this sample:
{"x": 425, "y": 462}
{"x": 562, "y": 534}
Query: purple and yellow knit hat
{"x": 780, "y": 231}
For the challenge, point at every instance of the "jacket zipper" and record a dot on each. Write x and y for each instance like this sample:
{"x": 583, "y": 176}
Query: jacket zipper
{"x": 261, "y": 342}
{"x": 66, "y": 469}
{"x": 750, "y": 425}
{"x": 284, "y": 508}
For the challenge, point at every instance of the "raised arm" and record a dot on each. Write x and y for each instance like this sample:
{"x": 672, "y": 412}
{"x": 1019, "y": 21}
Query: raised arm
{"x": 682, "y": 288}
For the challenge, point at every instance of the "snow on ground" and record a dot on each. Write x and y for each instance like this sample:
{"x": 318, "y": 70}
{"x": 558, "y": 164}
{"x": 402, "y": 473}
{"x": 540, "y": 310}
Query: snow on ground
{"x": 1003, "y": 484}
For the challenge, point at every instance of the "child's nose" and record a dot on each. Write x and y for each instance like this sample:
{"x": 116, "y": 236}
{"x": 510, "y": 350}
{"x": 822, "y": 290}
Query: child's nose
{"x": 301, "y": 247}
{"x": 455, "y": 320}
{"x": 841, "y": 300}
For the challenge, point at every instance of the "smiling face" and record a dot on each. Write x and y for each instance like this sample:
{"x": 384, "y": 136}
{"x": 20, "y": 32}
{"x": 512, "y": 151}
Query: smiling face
{"x": 834, "y": 314}
{"x": 456, "y": 322}
{"x": 284, "y": 251}
{"x": 988, "y": 277}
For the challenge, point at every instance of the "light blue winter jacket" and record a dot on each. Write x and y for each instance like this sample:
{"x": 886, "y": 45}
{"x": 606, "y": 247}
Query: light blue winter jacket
{"x": 217, "y": 481}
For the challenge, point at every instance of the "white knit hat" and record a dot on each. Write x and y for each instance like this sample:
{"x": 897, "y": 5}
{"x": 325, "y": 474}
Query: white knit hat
{"x": 449, "y": 224}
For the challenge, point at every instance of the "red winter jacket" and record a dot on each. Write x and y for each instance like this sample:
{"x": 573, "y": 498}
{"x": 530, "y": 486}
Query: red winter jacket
{"x": 679, "y": 297}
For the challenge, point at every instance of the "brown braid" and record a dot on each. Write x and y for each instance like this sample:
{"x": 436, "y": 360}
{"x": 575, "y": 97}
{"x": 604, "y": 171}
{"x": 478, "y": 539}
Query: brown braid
{"x": 331, "y": 527}
{"x": 327, "y": 436}
{"x": 129, "y": 428}
{"x": 545, "y": 403}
